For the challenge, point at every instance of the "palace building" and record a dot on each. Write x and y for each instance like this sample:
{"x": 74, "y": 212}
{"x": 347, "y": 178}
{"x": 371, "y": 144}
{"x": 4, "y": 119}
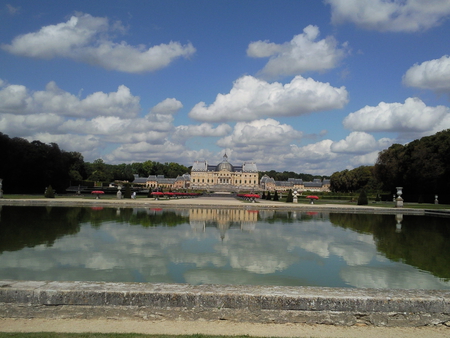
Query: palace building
{"x": 224, "y": 176}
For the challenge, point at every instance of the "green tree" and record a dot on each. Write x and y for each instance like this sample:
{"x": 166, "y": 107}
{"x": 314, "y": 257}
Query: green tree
{"x": 290, "y": 197}
{"x": 100, "y": 173}
{"x": 49, "y": 193}
{"x": 362, "y": 199}
{"x": 275, "y": 196}
{"x": 127, "y": 193}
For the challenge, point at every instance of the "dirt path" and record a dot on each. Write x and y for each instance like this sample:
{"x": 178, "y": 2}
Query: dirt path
{"x": 216, "y": 328}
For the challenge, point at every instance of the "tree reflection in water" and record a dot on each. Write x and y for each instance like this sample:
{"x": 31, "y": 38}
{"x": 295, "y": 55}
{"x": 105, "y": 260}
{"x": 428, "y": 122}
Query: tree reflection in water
{"x": 239, "y": 246}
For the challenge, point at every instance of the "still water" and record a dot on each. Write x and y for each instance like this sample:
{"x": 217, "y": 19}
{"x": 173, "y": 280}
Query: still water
{"x": 224, "y": 246}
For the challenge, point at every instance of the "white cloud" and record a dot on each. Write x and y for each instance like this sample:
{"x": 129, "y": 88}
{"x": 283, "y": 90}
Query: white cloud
{"x": 359, "y": 143}
{"x": 88, "y": 125}
{"x": 366, "y": 159}
{"x": 142, "y": 151}
{"x": 17, "y": 99}
{"x": 168, "y": 106}
{"x": 433, "y": 74}
{"x": 69, "y": 142}
{"x": 411, "y": 116}
{"x": 85, "y": 38}
{"x": 264, "y": 133}
{"x": 299, "y": 55}
{"x": 13, "y": 98}
{"x": 390, "y": 15}
{"x": 161, "y": 117}
{"x": 316, "y": 152}
{"x": 24, "y": 125}
{"x": 184, "y": 132}
{"x": 252, "y": 98}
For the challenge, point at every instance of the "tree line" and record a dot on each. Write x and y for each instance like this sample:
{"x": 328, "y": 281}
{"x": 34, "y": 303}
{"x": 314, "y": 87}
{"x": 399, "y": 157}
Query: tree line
{"x": 421, "y": 167}
{"x": 30, "y": 167}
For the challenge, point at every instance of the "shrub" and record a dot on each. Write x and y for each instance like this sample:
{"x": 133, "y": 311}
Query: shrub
{"x": 269, "y": 197}
{"x": 289, "y": 198}
{"x": 49, "y": 192}
{"x": 275, "y": 196}
{"x": 127, "y": 193}
{"x": 362, "y": 199}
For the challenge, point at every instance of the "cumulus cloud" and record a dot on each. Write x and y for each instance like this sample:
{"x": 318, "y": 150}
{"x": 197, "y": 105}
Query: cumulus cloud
{"x": 316, "y": 152}
{"x": 89, "y": 125}
{"x": 142, "y": 151}
{"x": 24, "y": 125}
{"x": 252, "y": 98}
{"x": 17, "y": 99}
{"x": 184, "y": 132}
{"x": 390, "y": 15}
{"x": 161, "y": 116}
{"x": 69, "y": 142}
{"x": 168, "y": 106}
{"x": 411, "y": 116}
{"x": 360, "y": 143}
{"x": 433, "y": 74}
{"x": 303, "y": 53}
{"x": 260, "y": 133}
{"x": 86, "y": 39}
{"x": 366, "y": 159}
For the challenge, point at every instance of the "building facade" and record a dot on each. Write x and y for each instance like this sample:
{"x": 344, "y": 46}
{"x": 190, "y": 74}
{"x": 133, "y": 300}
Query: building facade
{"x": 269, "y": 184}
{"x": 224, "y": 176}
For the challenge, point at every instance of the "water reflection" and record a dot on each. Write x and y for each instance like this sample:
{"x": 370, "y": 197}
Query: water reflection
{"x": 225, "y": 246}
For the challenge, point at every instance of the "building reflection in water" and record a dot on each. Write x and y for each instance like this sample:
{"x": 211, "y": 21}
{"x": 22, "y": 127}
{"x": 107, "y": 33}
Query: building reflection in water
{"x": 223, "y": 219}
{"x": 244, "y": 219}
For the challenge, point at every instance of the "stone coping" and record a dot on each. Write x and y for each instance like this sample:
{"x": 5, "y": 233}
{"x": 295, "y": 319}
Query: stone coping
{"x": 212, "y": 202}
{"x": 259, "y": 304}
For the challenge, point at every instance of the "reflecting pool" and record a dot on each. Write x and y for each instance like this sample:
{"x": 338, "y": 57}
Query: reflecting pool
{"x": 224, "y": 246}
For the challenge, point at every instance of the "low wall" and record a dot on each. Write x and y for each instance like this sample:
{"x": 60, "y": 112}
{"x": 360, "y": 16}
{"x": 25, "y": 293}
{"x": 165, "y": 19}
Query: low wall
{"x": 257, "y": 304}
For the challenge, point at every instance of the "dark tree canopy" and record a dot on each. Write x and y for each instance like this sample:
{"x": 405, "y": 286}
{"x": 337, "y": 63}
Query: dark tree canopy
{"x": 421, "y": 166}
{"x": 354, "y": 180}
{"x": 30, "y": 167}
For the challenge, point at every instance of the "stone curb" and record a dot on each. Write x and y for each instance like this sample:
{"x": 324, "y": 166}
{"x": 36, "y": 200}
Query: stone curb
{"x": 261, "y": 304}
{"x": 225, "y": 203}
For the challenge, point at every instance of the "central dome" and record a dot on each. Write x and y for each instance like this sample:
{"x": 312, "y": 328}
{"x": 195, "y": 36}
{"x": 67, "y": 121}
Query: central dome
{"x": 224, "y": 166}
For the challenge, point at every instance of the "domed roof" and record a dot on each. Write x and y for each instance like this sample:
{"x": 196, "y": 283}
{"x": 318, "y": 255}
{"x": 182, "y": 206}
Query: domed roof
{"x": 225, "y": 165}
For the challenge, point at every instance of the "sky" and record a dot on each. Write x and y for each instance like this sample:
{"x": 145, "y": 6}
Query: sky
{"x": 307, "y": 86}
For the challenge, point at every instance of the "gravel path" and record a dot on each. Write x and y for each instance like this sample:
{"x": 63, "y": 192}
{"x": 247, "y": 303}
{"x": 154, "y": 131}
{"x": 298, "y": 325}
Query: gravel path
{"x": 217, "y": 328}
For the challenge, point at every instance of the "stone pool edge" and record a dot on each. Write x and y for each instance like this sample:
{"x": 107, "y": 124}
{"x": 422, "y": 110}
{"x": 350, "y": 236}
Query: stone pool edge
{"x": 230, "y": 203}
{"x": 253, "y": 304}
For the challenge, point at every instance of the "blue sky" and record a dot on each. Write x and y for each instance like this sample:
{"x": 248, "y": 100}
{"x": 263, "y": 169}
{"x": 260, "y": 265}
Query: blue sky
{"x": 307, "y": 86}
